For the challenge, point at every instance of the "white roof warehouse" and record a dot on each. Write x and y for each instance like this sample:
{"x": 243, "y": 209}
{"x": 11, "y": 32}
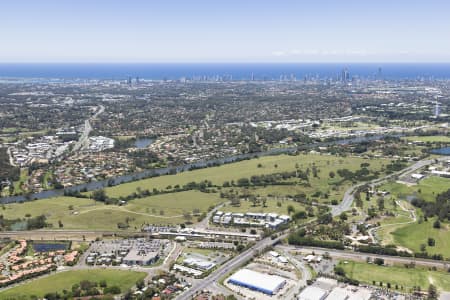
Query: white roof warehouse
{"x": 267, "y": 284}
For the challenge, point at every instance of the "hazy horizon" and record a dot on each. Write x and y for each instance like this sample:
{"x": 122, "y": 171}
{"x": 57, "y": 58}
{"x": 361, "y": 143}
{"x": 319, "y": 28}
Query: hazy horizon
{"x": 233, "y": 31}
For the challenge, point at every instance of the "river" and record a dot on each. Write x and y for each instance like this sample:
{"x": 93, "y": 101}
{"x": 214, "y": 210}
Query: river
{"x": 95, "y": 185}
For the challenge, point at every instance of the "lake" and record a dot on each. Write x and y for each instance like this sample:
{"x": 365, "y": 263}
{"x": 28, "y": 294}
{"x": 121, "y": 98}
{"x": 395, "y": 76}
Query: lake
{"x": 143, "y": 142}
{"x": 441, "y": 151}
{"x": 49, "y": 246}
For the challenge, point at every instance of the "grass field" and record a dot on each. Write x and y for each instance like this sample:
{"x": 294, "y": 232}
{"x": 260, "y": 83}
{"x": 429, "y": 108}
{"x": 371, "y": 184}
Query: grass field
{"x": 260, "y": 166}
{"x": 23, "y": 178}
{"x": 170, "y": 208}
{"x": 271, "y": 207}
{"x": 413, "y": 235}
{"x": 94, "y": 215}
{"x": 64, "y": 281}
{"x": 400, "y": 276}
{"x": 429, "y": 188}
{"x": 429, "y": 138}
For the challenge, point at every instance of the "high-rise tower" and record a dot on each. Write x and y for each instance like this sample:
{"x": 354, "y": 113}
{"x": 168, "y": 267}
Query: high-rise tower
{"x": 437, "y": 110}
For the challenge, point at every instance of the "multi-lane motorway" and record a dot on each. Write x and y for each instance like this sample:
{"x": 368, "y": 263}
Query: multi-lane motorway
{"x": 244, "y": 257}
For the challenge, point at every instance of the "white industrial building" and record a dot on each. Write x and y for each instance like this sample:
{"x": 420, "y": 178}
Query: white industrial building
{"x": 338, "y": 294}
{"x": 329, "y": 289}
{"x": 264, "y": 283}
{"x": 313, "y": 293}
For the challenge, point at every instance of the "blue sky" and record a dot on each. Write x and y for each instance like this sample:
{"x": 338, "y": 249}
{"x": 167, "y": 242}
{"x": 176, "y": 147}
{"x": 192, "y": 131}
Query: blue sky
{"x": 224, "y": 31}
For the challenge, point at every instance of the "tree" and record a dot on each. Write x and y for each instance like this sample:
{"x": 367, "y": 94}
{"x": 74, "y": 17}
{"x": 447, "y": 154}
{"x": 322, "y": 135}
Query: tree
{"x": 332, "y": 174}
{"x": 358, "y": 201}
{"x": 243, "y": 182}
{"x": 235, "y": 201}
{"x": 432, "y": 292}
{"x": 325, "y": 218}
{"x": 380, "y": 202}
{"x": 394, "y": 203}
{"x": 431, "y": 242}
{"x": 299, "y": 215}
{"x": 290, "y": 209}
{"x": 187, "y": 216}
{"x": 343, "y": 216}
{"x": 437, "y": 224}
{"x": 113, "y": 290}
{"x": 338, "y": 270}
{"x": 264, "y": 202}
{"x": 315, "y": 171}
{"x": 140, "y": 284}
{"x": 423, "y": 247}
{"x": 99, "y": 195}
{"x": 378, "y": 261}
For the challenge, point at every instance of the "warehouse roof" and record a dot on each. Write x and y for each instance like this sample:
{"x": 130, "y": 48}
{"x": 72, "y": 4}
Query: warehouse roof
{"x": 257, "y": 280}
{"x": 338, "y": 294}
{"x": 312, "y": 293}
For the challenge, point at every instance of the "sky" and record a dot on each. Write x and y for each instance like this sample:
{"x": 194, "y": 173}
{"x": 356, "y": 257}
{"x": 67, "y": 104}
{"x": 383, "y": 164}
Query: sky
{"x": 224, "y": 31}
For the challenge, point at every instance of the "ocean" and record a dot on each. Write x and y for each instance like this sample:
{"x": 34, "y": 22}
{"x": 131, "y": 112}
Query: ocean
{"x": 234, "y": 71}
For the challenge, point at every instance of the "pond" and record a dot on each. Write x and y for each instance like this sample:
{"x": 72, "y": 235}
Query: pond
{"x": 143, "y": 142}
{"x": 49, "y": 246}
{"x": 441, "y": 151}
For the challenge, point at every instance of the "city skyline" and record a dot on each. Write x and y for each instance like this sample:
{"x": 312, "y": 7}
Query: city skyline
{"x": 231, "y": 31}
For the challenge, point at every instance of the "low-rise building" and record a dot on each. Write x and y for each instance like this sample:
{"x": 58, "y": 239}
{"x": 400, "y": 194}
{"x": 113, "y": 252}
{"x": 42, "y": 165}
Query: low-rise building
{"x": 264, "y": 283}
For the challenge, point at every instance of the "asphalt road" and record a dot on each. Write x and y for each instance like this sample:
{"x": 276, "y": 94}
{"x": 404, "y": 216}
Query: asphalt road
{"x": 83, "y": 141}
{"x": 347, "y": 201}
{"x": 229, "y": 266}
{"x": 345, "y": 205}
{"x": 351, "y": 255}
{"x": 244, "y": 257}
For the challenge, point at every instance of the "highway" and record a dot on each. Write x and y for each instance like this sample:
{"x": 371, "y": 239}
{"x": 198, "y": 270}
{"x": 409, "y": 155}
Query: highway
{"x": 345, "y": 205}
{"x": 352, "y": 255}
{"x": 247, "y": 255}
{"x": 241, "y": 259}
{"x": 230, "y": 265}
{"x": 83, "y": 141}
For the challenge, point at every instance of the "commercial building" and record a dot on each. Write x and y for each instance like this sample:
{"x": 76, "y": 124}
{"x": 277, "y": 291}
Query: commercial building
{"x": 267, "y": 284}
{"x": 338, "y": 294}
{"x": 329, "y": 289}
{"x": 199, "y": 263}
{"x": 269, "y": 220}
{"x": 140, "y": 257}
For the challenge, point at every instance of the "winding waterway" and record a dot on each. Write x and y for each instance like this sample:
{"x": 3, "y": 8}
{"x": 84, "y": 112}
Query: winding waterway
{"x": 95, "y": 185}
